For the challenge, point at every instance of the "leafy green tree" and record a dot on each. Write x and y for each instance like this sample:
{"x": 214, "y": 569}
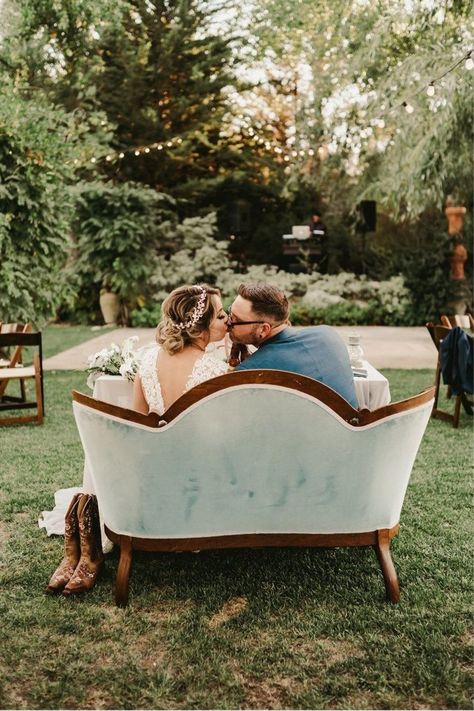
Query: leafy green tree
{"x": 36, "y": 158}
{"x": 367, "y": 60}
{"x": 157, "y": 72}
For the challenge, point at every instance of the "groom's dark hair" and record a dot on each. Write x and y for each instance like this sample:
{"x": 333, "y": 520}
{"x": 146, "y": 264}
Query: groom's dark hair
{"x": 267, "y": 301}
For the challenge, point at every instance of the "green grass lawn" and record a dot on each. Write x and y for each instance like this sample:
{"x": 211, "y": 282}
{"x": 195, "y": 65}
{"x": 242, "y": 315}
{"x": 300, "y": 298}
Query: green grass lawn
{"x": 59, "y": 337}
{"x": 280, "y": 628}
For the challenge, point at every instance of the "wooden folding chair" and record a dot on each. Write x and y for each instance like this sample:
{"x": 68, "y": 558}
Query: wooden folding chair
{"x": 437, "y": 334}
{"x": 462, "y": 320}
{"x": 14, "y": 358}
{"x": 22, "y": 373}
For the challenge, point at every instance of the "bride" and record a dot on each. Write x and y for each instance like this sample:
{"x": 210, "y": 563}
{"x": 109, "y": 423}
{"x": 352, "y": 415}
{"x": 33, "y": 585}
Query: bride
{"x": 192, "y": 317}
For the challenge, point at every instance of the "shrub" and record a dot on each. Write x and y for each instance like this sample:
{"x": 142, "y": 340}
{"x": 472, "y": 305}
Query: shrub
{"x": 117, "y": 231}
{"x": 35, "y": 208}
{"x": 317, "y": 298}
{"x": 294, "y": 285}
{"x": 196, "y": 257}
{"x": 145, "y": 316}
{"x": 344, "y": 313}
{"x": 358, "y": 300}
{"x": 392, "y": 301}
{"x": 333, "y": 299}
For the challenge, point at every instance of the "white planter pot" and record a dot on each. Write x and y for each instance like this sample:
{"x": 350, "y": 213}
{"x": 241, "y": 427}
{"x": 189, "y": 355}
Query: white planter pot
{"x": 110, "y": 307}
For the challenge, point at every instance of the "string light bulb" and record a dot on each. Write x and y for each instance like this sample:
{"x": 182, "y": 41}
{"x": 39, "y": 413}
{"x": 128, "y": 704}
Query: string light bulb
{"x": 469, "y": 63}
{"x": 323, "y": 152}
{"x": 430, "y": 89}
{"x": 408, "y": 107}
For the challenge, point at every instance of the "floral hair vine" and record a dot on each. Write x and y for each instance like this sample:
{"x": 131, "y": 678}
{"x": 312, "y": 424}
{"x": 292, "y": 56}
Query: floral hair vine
{"x": 197, "y": 312}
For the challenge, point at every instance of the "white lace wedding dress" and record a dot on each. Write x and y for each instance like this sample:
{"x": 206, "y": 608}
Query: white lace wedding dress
{"x": 206, "y": 367}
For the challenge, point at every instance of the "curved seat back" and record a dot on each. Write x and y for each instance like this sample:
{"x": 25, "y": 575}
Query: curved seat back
{"x": 251, "y": 458}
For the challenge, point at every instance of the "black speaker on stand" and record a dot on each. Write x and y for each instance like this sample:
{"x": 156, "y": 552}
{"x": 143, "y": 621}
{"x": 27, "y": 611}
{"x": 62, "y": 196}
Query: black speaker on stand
{"x": 367, "y": 222}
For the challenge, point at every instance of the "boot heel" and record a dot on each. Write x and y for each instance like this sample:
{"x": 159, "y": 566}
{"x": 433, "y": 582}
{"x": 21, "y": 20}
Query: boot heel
{"x": 91, "y": 562}
{"x": 72, "y": 549}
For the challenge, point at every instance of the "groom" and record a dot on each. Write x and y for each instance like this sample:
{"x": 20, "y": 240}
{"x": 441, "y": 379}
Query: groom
{"x": 259, "y": 317}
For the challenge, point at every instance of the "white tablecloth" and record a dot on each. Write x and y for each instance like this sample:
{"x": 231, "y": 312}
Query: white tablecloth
{"x": 373, "y": 391}
{"x": 114, "y": 389}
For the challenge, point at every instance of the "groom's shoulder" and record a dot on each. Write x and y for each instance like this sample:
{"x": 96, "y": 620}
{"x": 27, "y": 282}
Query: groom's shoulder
{"x": 312, "y": 332}
{"x": 318, "y": 336}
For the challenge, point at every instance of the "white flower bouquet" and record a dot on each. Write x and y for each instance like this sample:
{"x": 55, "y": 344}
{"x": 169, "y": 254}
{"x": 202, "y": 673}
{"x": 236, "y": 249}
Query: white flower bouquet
{"x": 114, "y": 360}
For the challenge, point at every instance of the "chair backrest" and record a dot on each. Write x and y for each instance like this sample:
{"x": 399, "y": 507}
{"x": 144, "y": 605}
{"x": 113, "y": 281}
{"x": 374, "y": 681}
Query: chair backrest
{"x": 22, "y": 374}
{"x": 15, "y": 327}
{"x": 462, "y": 320}
{"x": 14, "y": 357}
{"x": 437, "y": 332}
{"x": 248, "y": 457}
{"x": 447, "y": 321}
{"x": 21, "y": 339}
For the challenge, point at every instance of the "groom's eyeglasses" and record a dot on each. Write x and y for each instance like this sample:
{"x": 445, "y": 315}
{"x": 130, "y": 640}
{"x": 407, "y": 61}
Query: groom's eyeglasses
{"x": 231, "y": 322}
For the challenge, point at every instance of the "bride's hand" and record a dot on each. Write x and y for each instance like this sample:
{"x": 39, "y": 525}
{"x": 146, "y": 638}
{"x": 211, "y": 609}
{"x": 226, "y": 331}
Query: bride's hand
{"x": 239, "y": 352}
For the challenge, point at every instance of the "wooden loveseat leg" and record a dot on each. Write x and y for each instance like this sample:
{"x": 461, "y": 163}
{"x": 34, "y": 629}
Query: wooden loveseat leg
{"x": 382, "y": 549}
{"x": 123, "y": 571}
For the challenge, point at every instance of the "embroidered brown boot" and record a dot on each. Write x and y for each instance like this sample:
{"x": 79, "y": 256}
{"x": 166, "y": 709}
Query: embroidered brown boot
{"x": 92, "y": 558}
{"x": 72, "y": 549}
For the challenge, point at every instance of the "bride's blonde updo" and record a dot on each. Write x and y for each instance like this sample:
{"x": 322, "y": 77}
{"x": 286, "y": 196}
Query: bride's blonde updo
{"x": 185, "y": 314}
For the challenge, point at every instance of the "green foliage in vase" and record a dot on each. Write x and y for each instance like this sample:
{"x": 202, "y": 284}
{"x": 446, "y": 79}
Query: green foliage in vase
{"x": 117, "y": 230}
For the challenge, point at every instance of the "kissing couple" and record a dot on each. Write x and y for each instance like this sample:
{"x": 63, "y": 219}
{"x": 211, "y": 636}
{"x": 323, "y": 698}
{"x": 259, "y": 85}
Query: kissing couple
{"x": 193, "y": 317}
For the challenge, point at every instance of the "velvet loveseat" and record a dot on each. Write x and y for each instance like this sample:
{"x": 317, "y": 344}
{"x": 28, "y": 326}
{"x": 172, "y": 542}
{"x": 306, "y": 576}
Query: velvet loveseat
{"x": 252, "y": 459}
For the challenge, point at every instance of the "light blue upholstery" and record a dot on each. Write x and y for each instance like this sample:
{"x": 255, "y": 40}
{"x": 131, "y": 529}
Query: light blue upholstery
{"x": 251, "y": 459}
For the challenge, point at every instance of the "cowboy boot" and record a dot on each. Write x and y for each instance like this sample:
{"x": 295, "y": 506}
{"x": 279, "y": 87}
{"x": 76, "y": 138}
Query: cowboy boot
{"x": 72, "y": 549}
{"x": 92, "y": 558}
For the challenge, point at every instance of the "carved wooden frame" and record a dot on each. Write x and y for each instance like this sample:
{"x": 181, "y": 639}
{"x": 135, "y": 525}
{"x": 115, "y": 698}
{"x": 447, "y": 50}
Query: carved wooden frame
{"x": 289, "y": 381}
{"x": 380, "y": 539}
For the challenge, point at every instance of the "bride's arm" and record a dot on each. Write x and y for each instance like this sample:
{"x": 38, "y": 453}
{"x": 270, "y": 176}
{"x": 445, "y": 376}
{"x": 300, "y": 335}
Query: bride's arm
{"x": 139, "y": 402}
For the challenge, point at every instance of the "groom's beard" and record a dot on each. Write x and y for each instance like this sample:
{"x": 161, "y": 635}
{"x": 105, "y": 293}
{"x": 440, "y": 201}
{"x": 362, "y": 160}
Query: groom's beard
{"x": 251, "y": 339}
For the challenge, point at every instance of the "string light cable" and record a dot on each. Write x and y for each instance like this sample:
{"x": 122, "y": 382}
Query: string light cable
{"x": 430, "y": 87}
{"x": 287, "y": 153}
